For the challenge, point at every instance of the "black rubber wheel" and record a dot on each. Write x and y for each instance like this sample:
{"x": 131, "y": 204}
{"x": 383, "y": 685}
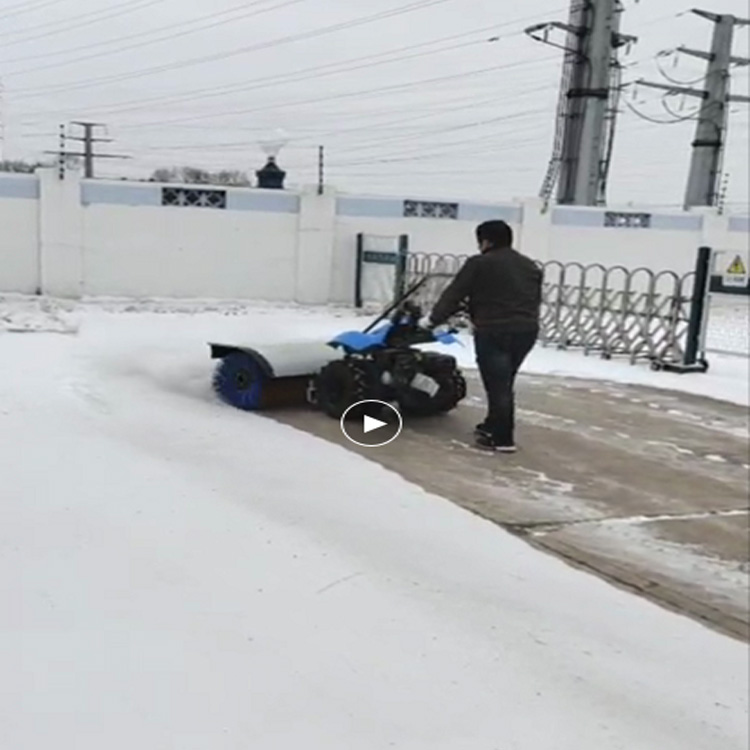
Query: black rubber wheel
{"x": 340, "y": 384}
{"x": 451, "y": 391}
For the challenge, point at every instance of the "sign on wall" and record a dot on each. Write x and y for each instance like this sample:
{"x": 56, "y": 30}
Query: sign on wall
{"x": 735, "y": 274}
{"x": 380, "y": 268}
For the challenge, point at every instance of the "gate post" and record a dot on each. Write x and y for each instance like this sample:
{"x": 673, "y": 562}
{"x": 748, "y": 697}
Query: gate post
{"x": 403, "y": 251}
{"x": 358, "y": 272}
{"x": 698, "y": 309}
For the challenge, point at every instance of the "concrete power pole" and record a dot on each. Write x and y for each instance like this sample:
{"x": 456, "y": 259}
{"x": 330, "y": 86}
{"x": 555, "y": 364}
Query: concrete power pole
{"x": 704, "y": 181}
{"x": 88, "y": 141}
{"x": 586, "y": 113}
{"x": 589, "y": 157}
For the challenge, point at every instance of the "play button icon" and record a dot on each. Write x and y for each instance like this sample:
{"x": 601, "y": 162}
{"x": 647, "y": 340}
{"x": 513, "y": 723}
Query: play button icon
{"x": 371, "y": 423}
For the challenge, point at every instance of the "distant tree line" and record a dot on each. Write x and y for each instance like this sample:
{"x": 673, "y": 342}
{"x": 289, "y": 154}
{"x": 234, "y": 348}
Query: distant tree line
{"x": 192, "y": 175}
{"x": 198, "y": 176}
{"x": 19, "y": 167}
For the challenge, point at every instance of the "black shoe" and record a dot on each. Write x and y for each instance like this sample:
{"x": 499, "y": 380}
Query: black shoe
{"x": 487, "y": 442}
{"x": 506, "y": 448}
{"x": 484, "y": 440}
{"x": 481, "y": 429}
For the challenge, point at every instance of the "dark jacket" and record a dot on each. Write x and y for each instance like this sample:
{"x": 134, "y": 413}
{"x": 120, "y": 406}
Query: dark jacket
{"x": 503, "y": 289}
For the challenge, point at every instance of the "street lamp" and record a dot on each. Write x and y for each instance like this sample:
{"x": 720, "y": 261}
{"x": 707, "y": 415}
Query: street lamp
{"x": 271, "y": 177}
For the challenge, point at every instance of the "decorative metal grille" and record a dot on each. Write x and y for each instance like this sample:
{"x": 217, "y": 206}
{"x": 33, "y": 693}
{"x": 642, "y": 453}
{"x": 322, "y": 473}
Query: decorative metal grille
{"x": 431, "y": 209}
{"x": 636, "y": 313}
{"x": 194, "y": 197}
{"x": 627, "y": 220}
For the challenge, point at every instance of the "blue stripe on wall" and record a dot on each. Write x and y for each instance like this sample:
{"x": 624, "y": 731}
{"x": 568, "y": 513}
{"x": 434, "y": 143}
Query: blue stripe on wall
{"x": 677, "y": 223}
{"x": 121, "y": 195}
{"x": 150, "y": 195}
{"x": 595, "y": 218}
{"x": 18, "y": 186}
{"x": 567, "y": 217}
{"x": 739, "y": 223}
{"x": 270, "y": 201}
{"x": 483, "y": 212}
{"x": 379, "y": 208}
{"x": 393, "y": 208}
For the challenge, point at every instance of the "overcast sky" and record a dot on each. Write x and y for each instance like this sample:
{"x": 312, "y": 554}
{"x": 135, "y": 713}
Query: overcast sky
{"x": 415, "y": 101}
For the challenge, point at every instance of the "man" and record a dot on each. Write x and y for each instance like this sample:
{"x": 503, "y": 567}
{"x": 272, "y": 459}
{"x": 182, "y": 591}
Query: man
{"x": 504, "y": 291}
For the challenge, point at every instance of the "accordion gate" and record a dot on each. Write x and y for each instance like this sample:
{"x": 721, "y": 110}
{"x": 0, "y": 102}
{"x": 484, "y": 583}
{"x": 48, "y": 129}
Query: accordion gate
{"x": 636, "y": 313}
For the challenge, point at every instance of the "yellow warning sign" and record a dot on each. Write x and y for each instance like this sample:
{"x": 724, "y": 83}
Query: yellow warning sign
{"x": 736, "y": 273}
{"x": 737, "y": 267}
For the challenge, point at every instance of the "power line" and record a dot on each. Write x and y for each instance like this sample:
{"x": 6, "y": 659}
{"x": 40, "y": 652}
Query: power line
{"x": 79, "y": 21}
{"x": 318, "y": 135}
{"x": 430, "y": 173}
{"x": 127, "y": 37}
{"x": 670, "y": 78}
{"x": 654, "y": 120}
{"x": 380, "y": 119}
{"x": 346, "y": 95}
{"x": 305, "y": 73}
{"x": 441, "y": 146}
{"x": 453, "y": 128}
{"x": 168, "y": 37}
{"x": 91, "y": 82}
{"x": 677, "y": 115}
{"x": 439, "y": 151}
{"x": 26, "y": 7}
{"x": 275, "y": 80}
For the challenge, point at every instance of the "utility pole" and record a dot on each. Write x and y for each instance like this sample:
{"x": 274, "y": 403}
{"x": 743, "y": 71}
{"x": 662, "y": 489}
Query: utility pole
{"x": 62, "y": 154}
{"x": 703, "y": 187}
{"x": 321, "y": 168}
{"x": 88, "y": 141}
{"x": 588, "y": 100}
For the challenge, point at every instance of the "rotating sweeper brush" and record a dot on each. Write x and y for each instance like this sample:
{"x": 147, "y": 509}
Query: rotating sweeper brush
{"x": 381, "y": 363}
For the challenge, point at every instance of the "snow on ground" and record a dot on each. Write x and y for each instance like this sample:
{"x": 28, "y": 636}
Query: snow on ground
{"x": 729, "y": 324}
{"x": 727, "y": 379}
{"x": 178, "y": 574}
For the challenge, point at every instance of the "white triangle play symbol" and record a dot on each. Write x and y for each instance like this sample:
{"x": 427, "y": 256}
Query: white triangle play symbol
{"x": 370, "y": 424}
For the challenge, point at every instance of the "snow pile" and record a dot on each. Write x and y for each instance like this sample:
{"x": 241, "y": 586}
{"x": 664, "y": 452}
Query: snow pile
{"x": 20, "y": 314}
{"x": 726, "y": 380}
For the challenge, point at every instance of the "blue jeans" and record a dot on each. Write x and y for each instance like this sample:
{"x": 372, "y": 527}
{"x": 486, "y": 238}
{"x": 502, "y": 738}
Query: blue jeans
{"x": 499, "y": 357}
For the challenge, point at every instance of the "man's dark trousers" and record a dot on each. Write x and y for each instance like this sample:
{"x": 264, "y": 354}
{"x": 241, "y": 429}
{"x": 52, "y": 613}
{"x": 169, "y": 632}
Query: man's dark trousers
{"x": 499, "y": 356}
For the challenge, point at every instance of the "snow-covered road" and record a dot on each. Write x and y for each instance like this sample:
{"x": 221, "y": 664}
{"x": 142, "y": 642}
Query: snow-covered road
{"x": 175, "y": 574}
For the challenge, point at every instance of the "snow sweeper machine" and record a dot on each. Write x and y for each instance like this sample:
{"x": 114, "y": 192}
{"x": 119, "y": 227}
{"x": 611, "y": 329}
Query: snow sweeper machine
{"x": 383, "y": 362}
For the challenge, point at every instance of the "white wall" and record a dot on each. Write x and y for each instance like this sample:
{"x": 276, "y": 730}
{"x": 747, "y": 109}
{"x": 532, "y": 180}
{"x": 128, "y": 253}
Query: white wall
{"x": 19, "y": 233}
{"x": 669, "y": 244}
{"x": 162, "y": 251}
{"x": 75, "y": 237}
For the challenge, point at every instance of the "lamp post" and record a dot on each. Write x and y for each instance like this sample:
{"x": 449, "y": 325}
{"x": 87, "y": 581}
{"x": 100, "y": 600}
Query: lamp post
{"x": 271, "y": 176}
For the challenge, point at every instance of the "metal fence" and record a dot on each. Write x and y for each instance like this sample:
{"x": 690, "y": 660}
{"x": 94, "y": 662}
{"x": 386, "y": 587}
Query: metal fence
{"x": 613, "y": 311}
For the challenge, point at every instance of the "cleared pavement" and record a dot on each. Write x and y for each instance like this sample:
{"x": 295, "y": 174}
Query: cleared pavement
{"x": 647, "y": 488}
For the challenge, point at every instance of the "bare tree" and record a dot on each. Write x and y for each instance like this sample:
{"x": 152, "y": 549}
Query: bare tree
{"x": 197, "y": 176}
{"x": 19, "y": 167}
